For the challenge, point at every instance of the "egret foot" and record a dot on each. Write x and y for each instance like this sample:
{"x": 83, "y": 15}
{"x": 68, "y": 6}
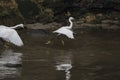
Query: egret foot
{"x": 48, "y": 42}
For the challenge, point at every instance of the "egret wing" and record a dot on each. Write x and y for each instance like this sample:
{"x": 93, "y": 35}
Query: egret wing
{"x": 11, "y": 35}
{"x": 68, "y": 33}
{"x": 65, "y": 31}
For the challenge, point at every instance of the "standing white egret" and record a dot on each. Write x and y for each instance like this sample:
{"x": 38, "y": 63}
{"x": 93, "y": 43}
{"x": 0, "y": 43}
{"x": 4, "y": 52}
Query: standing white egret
{"x": 66, "y": 30}
{"x": 9, "y": 34}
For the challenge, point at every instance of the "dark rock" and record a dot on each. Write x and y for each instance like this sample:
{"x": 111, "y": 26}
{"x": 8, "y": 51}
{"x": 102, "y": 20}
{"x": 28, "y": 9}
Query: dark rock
{"x": 101, "y": 4}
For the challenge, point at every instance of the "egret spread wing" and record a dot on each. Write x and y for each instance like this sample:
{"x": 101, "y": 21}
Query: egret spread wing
{"x": 11, "y": 35}
{"x": 65, "y": 31}
{"x": 15, "y": 39}
{"x": 68, "y": 33}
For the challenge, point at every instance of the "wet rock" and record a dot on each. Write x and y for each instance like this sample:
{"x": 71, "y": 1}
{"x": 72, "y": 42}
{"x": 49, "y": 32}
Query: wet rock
{"x": 110, "y": 22}
{"x": 114, "y": 27}
{"x": 43, "y": 26}
{"x": 101, "y": 4}
{"x": 96, "y": 26}
{"x": 36, "y": 26}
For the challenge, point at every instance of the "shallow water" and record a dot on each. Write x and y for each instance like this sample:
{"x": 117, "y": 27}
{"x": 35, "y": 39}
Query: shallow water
{"x": 93, "y": 56}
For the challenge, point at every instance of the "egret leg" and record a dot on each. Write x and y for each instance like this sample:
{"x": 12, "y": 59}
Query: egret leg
{"x": 63, "y": 42}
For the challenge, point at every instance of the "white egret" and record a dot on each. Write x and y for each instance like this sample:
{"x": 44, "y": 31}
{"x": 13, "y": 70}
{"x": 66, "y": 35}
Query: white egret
{"x": 9, "y": 34}
{"x": 66, "y": 30}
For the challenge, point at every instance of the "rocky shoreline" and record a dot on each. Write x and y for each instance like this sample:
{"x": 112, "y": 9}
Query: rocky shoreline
{"x": 49, "y": 14}
{"x": 104, "y": 24}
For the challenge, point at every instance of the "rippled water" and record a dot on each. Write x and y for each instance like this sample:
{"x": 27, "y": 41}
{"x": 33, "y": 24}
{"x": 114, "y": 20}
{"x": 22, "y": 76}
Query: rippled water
{"x": 93, "y": 56}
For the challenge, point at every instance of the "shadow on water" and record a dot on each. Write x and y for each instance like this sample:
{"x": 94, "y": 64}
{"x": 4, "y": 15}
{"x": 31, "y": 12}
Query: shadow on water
{"x": 93, "y": 56}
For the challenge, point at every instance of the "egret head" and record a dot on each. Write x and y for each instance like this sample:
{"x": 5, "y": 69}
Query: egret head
{"x": 71, "y": 18}
{"x": 20, "y": 25}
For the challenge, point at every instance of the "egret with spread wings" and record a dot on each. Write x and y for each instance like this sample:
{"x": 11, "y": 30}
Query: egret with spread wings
{"x": 9, "y": 34}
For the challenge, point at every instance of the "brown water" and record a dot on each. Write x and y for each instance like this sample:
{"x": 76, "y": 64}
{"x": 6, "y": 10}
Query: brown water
{"x": 93, "y": 56}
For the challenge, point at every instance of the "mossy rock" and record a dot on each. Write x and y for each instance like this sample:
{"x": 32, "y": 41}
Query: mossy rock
{"x": 10, "y": 14}
{"x": 44, "y": 11}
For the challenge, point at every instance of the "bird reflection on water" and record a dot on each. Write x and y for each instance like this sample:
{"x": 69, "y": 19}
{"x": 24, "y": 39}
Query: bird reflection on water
{"x": 66, "y": 68}
{"x": 64, "y": 63}
{"x": 9, "y": 62}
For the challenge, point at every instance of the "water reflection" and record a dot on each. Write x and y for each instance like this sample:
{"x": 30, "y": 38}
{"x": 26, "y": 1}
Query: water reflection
{"x": 64, "y": 63}
{"x": 10, "y": 64}
{"x": 88, "y": 57}
{"x": 66, "y": 68}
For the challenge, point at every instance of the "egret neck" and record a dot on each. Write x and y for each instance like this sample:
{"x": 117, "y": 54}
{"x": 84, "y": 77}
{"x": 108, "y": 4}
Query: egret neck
{"x": 71, "y": 24}
{"x": 19, "y": 25}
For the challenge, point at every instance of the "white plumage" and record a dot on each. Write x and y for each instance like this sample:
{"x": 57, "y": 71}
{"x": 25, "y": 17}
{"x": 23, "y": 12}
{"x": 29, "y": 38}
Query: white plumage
{"x": 66, "y": 30}
{"x": 10, "y": 35}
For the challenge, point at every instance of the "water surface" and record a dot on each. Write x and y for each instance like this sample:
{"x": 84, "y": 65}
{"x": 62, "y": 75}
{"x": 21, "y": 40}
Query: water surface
{"x": 93, "y": 56}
